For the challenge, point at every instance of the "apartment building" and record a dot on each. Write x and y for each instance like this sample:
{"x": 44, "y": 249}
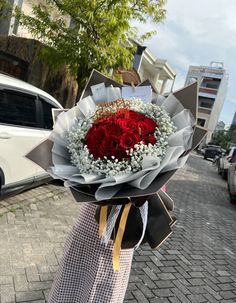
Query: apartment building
{"x": 213, "y": 83}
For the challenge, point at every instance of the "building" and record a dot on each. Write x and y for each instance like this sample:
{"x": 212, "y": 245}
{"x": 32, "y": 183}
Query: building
{"x": 157, "y": 71}
{"x": 234, "y": 120}
{"x": 219, "y": 126}
{"x": 146, "y": 67}
{"x": 10, "y": 26}
{"x": 213, "y": 83}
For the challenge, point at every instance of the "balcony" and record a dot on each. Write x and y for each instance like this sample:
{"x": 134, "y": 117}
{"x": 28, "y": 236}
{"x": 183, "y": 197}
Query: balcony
{"x": 208, "y": 90}
{"x": 204, "y": 110}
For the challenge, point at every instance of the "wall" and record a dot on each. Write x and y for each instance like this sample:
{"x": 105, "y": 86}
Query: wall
{"x": 57, "y": 83}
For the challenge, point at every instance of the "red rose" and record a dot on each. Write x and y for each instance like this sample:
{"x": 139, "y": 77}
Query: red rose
{"x": 136, "y": 116}
{"x": 113, "y": 129}
{"x": 120, "y": 153}
{"x": 119, "y": 132}
{"x": 147, "y": 126}
{"x": 108, "y": 144}
{"x": 129, "y": 139}
{"x": 149, "y": 139}
{"x": 122, "y": 123}
{"x": 95, "y": 135}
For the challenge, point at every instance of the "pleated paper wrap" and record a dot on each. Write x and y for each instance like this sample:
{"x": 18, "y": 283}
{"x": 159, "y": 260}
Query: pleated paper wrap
{"x": 148, "y": 210}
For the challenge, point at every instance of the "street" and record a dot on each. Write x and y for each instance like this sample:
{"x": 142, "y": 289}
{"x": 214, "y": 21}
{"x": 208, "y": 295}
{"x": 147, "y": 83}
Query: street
{"x": 196, "y": 264}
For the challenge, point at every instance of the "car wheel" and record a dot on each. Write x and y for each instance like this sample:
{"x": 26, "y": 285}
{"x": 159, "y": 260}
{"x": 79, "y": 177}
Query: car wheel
{"x": 232, "y": 199}
{"x": 2, "y": 180}
{"x": 224, "y": 174}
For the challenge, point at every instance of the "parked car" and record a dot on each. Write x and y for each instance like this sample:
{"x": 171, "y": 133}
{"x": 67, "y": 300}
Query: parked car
{"x": 231, "y": 179}
{"x": 224, "y": 162}
{"x": 25, "y": 121}
{"x": 212, "y": 151}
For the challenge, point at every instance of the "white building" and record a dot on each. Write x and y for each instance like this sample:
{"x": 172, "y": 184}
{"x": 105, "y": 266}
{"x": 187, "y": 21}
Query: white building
{"x": 234, "y": 120}
{"x": 157, "y": 71}
{"x": 11, "y": 27}
{"x": 219, "y": 126}
{"x": 213, "y": 83}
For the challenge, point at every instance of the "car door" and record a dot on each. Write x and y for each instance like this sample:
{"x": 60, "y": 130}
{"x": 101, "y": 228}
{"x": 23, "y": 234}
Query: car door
{"x": 231, "y": 174}
{"x": 45, "y": 107}
{"x": 20, "y": 132}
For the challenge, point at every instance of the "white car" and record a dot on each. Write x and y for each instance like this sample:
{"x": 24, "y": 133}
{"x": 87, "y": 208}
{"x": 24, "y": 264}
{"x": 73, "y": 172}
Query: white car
{"x": 25, "y": 121}
{"x": 231, "y": 180}
{"x": 224, "y": 162}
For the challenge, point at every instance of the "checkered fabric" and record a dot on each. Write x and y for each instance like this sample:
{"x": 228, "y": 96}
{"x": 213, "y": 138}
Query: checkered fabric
{"x": 86, "y": 273}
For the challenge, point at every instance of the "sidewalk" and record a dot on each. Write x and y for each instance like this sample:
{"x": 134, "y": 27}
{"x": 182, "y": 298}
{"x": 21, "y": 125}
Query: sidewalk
{"x": 196, "y": 264}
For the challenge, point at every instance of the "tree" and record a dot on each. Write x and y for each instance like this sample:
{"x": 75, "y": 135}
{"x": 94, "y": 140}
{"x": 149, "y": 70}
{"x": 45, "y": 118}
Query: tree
{"x": 5, "y": 9}
{"x": 222, "y": 138}
{"x": 87, "y": 34}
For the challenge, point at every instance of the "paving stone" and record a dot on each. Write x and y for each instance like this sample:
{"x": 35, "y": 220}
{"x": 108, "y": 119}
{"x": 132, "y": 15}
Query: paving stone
{"x": 40, "y": 285}
{"x": 197, "y": 299}
{"x": 150, "y": 274}
{"x": 225, "y": 279}
{"x": 179, "y": 294}
{"x": 228, "y": 295}
{"x": 174, "y": 300}
{"x": 164, "y": 292}
{"x": 210, "y": 298}
{"x": 211, "y": 291}
{"x": 223, "y": 273}
{"x": 166, "y": 276}
{"x": 20, "y": 282}
{"x": 196, "y": 282}
{"x": 37, "y": 301}
{"x": 32, "y": 274}
{"x": 146, "y": 290}
{"x": 29, "y": 296}
{"x": 196, "y": 274}
{"x": 227, "y": 286}
{"x": 139, "y": 296}
{"x": 7, "y": 294}
{"x": 159, "y": 300}
{"x": 6, "y": 280}
{"x": 181, "y": 287}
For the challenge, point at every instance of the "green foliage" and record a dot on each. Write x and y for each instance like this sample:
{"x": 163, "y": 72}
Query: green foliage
{"x": 97, "y": 35}
{"x": 232, "y": 133}
{"x": 5, "y": 9}
{"x": 225, "y": 137}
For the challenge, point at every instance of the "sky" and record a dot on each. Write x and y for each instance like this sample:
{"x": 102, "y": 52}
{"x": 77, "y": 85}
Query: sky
{"x": 197, "y": 33}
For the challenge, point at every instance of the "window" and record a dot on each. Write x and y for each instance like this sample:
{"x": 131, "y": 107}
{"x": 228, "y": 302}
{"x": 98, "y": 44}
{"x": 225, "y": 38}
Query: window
{"x": 210, "y": 83}
{"x": 201, "y": 122}
{"x": 206, "y": 102}
{"x": 16, "y": 21}
{"x": 47, "y": 114}
{"x": 17, "y": 109}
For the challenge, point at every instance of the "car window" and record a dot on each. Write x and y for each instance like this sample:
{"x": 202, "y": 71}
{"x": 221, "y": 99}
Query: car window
{"x": 17, "y": 109}
{"x": 47, "y": 114}
{"x": 233, "y": 152}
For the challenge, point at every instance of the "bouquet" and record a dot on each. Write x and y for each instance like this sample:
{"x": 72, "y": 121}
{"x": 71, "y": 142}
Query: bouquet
{"x": 116, "y": 148}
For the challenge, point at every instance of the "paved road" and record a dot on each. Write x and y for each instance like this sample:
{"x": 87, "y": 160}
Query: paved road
{"x": 196, "y": 264}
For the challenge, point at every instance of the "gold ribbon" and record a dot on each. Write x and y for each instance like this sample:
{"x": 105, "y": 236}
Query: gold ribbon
{"x": 119, "y": 237}
{"x": 103, "y": 220}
